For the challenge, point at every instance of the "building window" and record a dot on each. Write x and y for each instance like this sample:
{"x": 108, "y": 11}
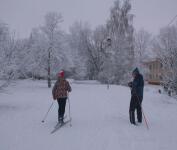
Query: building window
{"x": 150, "y": 67}
{"x": 157, "y": 77}
{"x": 161, "y": 65}
{"x": 153, "y": 66}
{"x": 150, "y": 76}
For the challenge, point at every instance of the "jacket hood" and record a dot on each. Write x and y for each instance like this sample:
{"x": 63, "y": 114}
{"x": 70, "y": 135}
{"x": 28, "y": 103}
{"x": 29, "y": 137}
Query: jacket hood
{"x": 135, "y": 71}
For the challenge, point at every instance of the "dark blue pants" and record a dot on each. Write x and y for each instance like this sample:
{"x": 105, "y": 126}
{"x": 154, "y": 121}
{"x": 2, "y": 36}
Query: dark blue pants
{"x": 135, "y": 104}
{"x": 61, "y": 107}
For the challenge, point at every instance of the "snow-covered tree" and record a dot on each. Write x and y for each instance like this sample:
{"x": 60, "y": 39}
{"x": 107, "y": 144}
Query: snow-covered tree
{"x": 87, "y": 47}
{"x": 7, "y": 53}
{"x": 53, "y": 35}
{"x": 81, "y": 44}
{"x": 143, "y": 46}
{"x": 44, "y": 53}
{"x": 37, "y": 56}
{"x": 106, "y": 53}
{"x": 143, "y": 49}
{"x": 101, "y": 45}
{"x": 165, "y": 46}
{"x": 121, "y": 31}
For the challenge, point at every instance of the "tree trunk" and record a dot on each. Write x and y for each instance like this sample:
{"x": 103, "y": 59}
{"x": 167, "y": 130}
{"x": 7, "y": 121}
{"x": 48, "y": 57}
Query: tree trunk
{"x": 49, "y": 76}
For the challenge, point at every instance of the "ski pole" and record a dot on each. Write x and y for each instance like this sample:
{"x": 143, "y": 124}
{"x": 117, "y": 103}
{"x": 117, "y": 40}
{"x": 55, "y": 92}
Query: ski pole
{"x": 47, "y": 112}
{"x": 145, "y": 118}
{"x": 143, "y": 113}
{"x": 69, "y": 110}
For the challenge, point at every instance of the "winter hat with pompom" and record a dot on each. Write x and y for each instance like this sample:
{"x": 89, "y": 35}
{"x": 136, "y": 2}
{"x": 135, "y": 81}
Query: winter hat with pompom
{"x": 61, "y": 74}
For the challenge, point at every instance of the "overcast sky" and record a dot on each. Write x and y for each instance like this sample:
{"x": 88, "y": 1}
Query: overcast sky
{"x": 23, "y": 15}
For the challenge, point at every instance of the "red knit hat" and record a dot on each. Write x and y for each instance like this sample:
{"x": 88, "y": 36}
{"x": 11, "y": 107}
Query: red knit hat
{"x": 61, "y": 74}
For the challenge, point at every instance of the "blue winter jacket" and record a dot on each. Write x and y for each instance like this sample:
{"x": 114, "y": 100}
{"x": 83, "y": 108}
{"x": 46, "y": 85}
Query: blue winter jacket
{"x": 138, "y": 85}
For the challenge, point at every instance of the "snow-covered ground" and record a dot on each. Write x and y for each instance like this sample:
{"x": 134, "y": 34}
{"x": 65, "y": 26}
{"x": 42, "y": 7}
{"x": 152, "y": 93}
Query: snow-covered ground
{"x": 99, "y": 119}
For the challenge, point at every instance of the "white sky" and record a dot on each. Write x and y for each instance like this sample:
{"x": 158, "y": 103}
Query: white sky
{"x": 23, "y": 15}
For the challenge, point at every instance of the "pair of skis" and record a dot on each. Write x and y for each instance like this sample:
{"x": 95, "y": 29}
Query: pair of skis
{"x": 60, "y": 125}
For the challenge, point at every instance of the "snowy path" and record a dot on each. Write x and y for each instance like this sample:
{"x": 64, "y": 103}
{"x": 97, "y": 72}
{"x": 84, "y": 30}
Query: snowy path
{"x": 100, "y": 119}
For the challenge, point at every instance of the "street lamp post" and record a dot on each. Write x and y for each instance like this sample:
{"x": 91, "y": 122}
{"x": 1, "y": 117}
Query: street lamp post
{"x": 107, "y": 44}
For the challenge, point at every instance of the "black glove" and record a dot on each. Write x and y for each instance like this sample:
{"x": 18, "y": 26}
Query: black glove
{"x": 130, "y": 84}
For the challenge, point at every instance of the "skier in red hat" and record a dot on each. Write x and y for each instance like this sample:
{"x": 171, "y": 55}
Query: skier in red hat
{"x": 60, "y": 93}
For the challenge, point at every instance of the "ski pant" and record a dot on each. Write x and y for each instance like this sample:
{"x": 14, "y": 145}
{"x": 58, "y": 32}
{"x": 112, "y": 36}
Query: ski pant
{"x": 61, "y": 107}
{"x": 135, "y": 104}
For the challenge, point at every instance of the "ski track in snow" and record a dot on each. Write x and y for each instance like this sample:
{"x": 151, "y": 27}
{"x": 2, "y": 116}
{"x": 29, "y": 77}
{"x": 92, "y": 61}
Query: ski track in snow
{"x": 100, "y": 119}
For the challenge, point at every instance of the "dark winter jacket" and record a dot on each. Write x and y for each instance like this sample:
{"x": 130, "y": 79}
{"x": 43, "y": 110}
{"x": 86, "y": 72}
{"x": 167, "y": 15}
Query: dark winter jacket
{"x": 60, "y": 89}
{"x": 137, "y": 85}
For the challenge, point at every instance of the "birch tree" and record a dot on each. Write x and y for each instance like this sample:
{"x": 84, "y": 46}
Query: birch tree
{"x": 121, "y": 30}
{"x": 51, "y": 31}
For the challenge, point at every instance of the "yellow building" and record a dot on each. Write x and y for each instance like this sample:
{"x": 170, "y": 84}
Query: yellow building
{"x": 155, "y": 69}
